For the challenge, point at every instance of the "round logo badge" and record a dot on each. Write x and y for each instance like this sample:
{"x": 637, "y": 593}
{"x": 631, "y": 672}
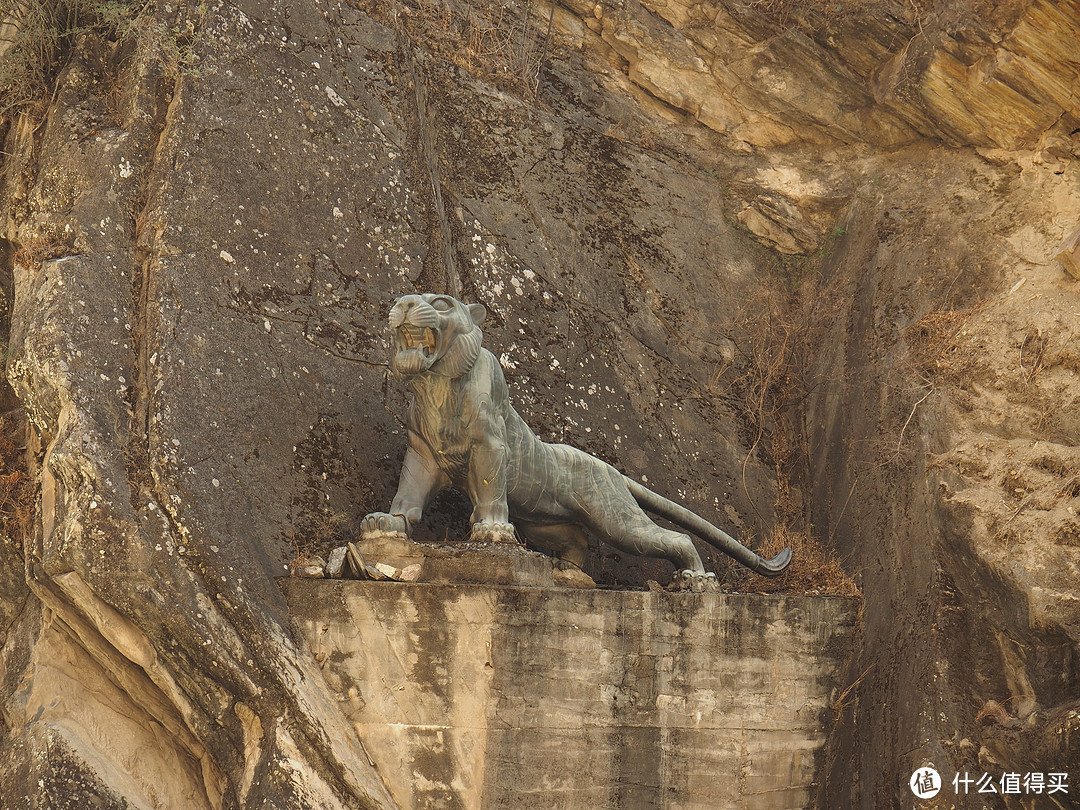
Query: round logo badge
{"x": 925, "y": 783}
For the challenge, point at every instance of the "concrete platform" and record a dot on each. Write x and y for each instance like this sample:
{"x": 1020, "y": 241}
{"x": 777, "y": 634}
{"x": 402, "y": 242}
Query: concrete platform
{"x": 475, "y": 696}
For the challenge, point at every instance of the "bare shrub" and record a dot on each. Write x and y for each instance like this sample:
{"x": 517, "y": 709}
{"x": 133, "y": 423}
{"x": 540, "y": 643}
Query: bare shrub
{"x": 813, "y": 570}
{"x": 934, "y": 347}
{"x": 813, "y": 15}
{"x": 35, "y": 35}
{"x": 317, "y": 531}
{"x": 505, "y": 42}
{"x": 40, "y": 249}
{"x": 777, "y": 335}
{"x": 18, "y": 491}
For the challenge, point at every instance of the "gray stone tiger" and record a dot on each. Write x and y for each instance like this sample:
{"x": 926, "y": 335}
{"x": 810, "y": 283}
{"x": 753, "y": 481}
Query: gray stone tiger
{"x": 463, "y": 431}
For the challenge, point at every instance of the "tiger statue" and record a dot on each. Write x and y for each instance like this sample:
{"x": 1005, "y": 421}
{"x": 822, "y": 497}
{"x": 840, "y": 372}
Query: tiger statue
{"x": 463, "y": 431}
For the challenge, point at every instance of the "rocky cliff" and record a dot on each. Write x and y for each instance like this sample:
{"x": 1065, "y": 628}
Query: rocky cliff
{"x": 717, "y": 240}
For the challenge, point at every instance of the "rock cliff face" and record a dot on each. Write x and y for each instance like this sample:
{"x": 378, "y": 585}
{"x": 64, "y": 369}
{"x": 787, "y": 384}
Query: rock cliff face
{"x": 205, "y": 221}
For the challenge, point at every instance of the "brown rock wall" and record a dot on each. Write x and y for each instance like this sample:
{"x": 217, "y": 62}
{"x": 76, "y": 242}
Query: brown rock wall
{"x": 198, "y": 255}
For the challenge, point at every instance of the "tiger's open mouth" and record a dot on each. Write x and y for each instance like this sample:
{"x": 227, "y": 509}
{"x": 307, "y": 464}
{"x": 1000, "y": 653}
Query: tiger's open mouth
{"x": 416, "y": 347}
{"x": 416, "y": 337}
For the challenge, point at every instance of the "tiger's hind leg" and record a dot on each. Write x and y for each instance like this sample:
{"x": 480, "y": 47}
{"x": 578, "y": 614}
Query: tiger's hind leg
{"x": 637, "y": 534}
{"x": 642, "y": 536}
{"x": 612, "y": 513}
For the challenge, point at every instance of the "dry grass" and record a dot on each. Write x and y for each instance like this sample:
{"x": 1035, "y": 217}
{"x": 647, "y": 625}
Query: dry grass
{"x": 813, "y": 570}
{"x": 40, "y": 249}
{"x": 807, "y": 15}
{"x": 18, "y": 491}
{"x": 780, "y": 332}
{"x": 318, "y": 531}
{"x": 36, "y": 35}
{"x": 813, "y": 15}
{"x": 936, "y": 349}
{"x": 29, "y": 47}
{"x": 845, "y": 698}
{"x": 506, "y": 43}
{"x": 776, "y": 339}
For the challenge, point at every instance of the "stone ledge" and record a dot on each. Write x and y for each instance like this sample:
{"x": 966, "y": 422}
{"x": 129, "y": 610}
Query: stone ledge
{"x": 477, "y": 696}
{"x": 506, "y": 564}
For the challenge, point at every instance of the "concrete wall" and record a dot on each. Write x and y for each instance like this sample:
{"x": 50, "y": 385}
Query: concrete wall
{"x": 472, "y": 696}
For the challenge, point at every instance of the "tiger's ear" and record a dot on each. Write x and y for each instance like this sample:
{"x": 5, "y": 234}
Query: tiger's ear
{"x": 478, "y": 313}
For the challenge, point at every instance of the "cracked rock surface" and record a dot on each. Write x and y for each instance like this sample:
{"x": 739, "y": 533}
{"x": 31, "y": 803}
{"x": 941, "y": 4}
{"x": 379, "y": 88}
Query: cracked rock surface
{"x": 198, "y": 263}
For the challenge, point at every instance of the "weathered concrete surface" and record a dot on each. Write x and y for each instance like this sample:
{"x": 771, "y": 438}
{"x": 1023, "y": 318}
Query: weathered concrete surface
{"x": 474, "y": 696}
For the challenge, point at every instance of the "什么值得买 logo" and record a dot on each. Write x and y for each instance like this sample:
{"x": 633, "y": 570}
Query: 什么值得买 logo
{"x": 925, "y": 783}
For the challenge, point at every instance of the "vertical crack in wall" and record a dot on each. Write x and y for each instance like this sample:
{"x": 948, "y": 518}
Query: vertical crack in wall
{"x": 147, "y": 254}
{"x": 427, "y": 144}
{"x": 166, "y": 98}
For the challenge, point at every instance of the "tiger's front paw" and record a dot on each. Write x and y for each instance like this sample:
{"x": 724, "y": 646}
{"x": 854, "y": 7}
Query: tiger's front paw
{"x": 695, "y": 581}
{"x": 487, "y": 531}
{"x": 380, "y": 523}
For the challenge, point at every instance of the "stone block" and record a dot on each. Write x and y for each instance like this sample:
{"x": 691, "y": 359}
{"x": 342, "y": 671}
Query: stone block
{"x": 466, "y": 563}
{"x": 476, "y": 696}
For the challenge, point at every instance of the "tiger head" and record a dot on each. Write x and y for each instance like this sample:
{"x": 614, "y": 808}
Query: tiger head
{"x": 435, "y": 333}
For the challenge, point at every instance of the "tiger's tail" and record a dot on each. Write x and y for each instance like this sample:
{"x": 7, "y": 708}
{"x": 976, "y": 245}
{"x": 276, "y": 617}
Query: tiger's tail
{"x": 718, "y": 539}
